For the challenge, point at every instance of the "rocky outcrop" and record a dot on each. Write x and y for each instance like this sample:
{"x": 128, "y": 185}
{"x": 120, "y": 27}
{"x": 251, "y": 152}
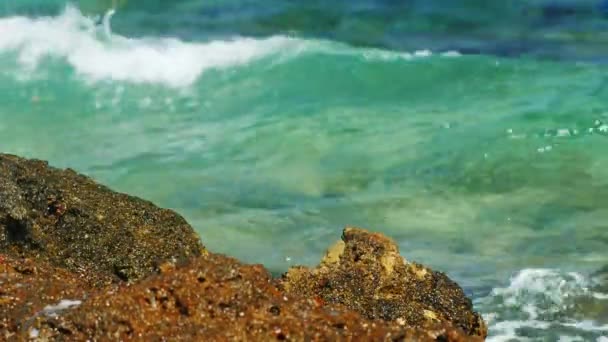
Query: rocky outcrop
{"x": 75, "y": 223}
{"x": 216, "y": 298}
{"x": 366, "y": 273}
{"x": 81, "y": 262}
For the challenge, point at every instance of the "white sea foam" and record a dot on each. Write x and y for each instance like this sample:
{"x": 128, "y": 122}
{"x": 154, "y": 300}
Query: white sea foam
{"x": 602, "y": 296}
{"x": 531, "y": 287}
{"x": 76, "y": 39}
{"x": 571, "y": 339}
{"x": 588, "y": 326}
{"x": 539, "y": 299}
{"x": 451, "y": 54}
{"x": 96, "y": 53}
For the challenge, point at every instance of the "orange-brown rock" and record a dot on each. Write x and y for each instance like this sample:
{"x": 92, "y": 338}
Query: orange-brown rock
{"x": 81, "y": 262}
{"x": 366, "y": 273}
{"x": 216, "y": 298}
{"x": 27, "y": 287}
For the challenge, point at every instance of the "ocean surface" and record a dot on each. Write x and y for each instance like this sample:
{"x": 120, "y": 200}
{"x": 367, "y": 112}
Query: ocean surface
{"x": 473, "y": 132}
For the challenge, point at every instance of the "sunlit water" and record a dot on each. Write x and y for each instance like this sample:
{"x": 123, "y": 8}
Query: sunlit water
{"x": 491, "y": 169}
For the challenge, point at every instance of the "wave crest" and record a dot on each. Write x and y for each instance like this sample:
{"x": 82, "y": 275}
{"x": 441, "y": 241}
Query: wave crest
{"x": 88, "y": 49}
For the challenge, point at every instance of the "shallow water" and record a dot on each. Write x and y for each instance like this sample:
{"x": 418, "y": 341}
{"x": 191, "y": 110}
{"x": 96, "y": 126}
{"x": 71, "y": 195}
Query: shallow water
{"x": 489, "y": 167}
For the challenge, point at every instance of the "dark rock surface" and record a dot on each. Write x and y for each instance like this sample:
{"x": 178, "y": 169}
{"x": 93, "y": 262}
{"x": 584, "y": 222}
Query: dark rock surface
{"x": 73, "y": 222}
{"x": 81, "y": 262}
{"x": 366, "y": 273}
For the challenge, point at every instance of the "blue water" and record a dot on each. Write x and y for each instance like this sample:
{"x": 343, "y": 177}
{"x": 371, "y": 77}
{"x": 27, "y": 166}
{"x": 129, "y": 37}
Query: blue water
{"x": 472, "y": 132}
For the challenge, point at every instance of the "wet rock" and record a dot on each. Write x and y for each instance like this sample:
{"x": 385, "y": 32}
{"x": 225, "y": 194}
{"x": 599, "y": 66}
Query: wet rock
{"x": 365, "y": 273}
{"x": 75, "y": 223}
{"x": 592, "y": 306}
{"x": 600, "y": 280}
{"x": 216, "y": 298}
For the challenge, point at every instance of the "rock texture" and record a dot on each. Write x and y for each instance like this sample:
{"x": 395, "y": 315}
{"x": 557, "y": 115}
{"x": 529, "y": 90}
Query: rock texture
{"x": 27, "y": 287}
{"x": 73, "y": 222}
{"x": 216, "y": 298}
{"x": 80, "y": 262}
{"x": 366, "y": 273}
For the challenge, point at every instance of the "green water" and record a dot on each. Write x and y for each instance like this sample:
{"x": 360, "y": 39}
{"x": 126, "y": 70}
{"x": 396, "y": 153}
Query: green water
{"x": 486, "y": 167}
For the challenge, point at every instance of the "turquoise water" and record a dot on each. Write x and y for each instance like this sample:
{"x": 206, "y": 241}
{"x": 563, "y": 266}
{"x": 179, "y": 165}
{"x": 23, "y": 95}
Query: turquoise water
{"x": 271, "y": 127}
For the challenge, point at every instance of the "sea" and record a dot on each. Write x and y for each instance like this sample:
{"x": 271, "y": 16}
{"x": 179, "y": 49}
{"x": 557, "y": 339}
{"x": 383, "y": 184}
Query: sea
{"x": 473, "y": 132}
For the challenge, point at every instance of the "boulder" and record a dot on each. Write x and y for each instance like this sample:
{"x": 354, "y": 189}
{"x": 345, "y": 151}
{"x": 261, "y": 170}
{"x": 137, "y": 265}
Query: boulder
{"x": 76, "y": 223}
{"x": 366, "y": 273}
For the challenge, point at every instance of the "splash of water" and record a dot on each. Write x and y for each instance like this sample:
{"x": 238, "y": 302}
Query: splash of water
{"x": 107, "y": 29}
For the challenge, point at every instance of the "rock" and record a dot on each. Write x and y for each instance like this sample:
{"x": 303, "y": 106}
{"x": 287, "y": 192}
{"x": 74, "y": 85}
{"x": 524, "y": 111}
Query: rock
{"x": 81, "y": 262}
{"x": 216, "y": 298}
{"x": 75, "y": 223}
{"x": 600, "y": 280}
{"x": 592, "y": 305}
{"x": 27, "y": 286}
{"x": 365, "y": 273}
